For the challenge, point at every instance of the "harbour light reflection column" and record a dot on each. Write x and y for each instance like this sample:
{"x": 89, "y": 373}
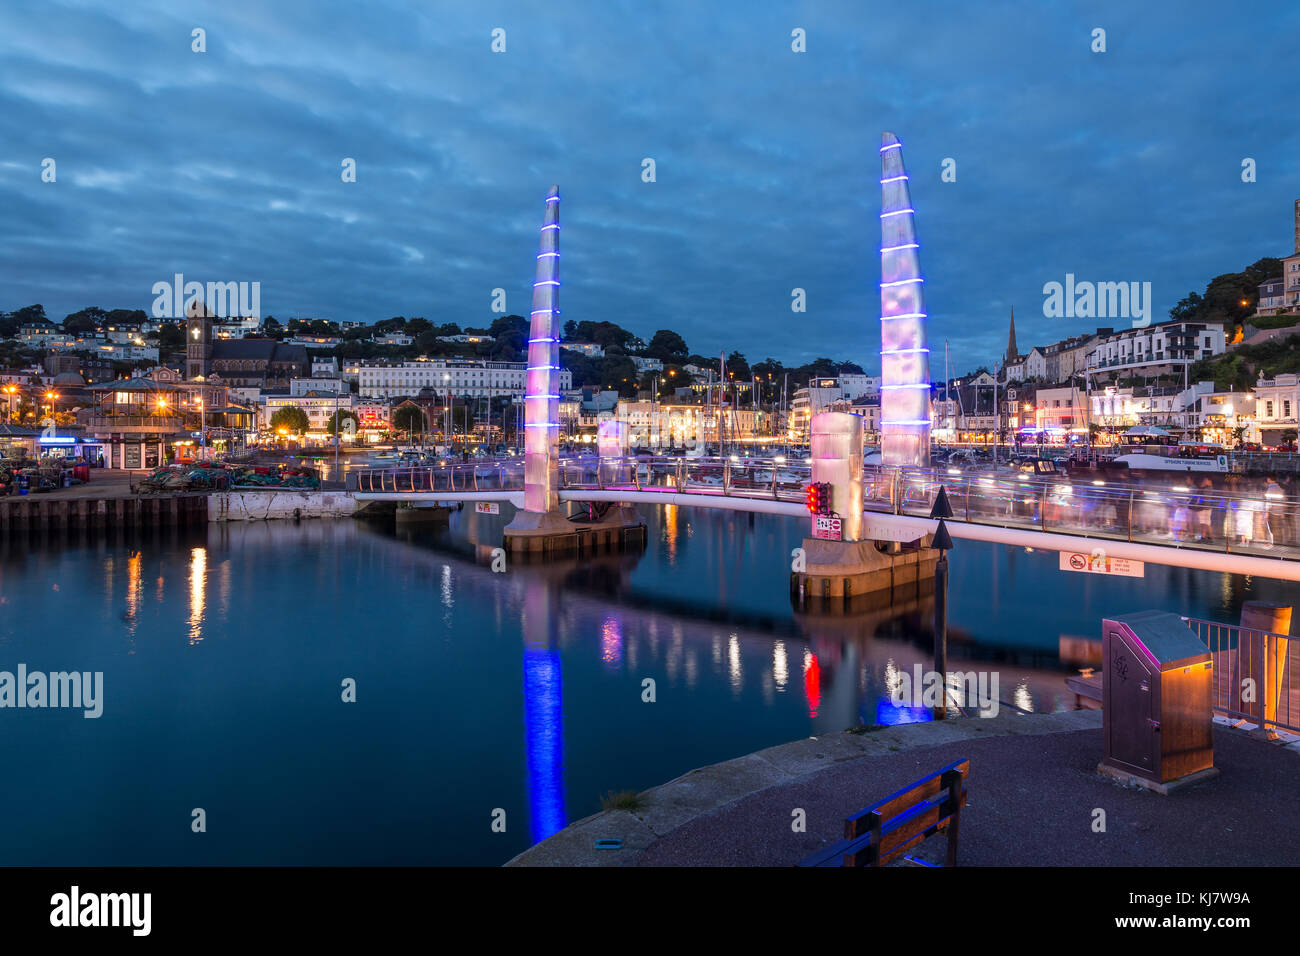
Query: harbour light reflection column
{"x": 542, "y": 393}
{"x": 904, "y": 357}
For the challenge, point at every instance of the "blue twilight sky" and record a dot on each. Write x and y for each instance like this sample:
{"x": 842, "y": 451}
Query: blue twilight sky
{"x": 225, "y": 165}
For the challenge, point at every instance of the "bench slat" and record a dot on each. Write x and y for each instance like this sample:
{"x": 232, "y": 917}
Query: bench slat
{"x": 898, "y": 844}
{"x": 925, "y": 788}
{"x": 888, "y": 829}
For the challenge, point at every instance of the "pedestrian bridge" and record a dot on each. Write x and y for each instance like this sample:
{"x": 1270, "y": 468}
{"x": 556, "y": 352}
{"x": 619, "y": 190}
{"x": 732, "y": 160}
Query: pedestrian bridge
{"x": 1166, "y": 524}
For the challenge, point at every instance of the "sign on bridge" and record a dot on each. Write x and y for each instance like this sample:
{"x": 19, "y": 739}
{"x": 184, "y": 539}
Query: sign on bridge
{"x": 1099, "y": 562}
{"x": 827, "y": 528}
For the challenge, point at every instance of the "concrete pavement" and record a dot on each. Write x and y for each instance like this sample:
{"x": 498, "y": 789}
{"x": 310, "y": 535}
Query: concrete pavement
{"x": 1034, "y": 797}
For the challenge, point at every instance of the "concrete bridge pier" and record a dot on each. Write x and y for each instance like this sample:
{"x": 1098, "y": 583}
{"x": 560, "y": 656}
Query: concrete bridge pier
{"x": 857, "y": 570}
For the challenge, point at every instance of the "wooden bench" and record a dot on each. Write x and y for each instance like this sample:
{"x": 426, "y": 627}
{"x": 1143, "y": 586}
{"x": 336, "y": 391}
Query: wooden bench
{"x": 1087, "y": 690}
{"x": 887, "y": 830}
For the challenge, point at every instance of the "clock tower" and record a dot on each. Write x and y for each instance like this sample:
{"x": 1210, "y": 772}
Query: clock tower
{"x": 198, "y": 341}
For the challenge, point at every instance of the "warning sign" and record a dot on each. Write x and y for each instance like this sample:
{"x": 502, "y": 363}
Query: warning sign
{"x": 1099, "y": 562}
{"x": 487, "y": 507}
{"x": 828, "y": 529}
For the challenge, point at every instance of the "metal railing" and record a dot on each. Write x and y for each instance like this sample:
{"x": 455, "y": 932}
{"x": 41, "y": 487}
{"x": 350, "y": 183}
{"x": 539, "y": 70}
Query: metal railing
{"x": 1174, "y": 515}
{"x": 1253, "y": 673}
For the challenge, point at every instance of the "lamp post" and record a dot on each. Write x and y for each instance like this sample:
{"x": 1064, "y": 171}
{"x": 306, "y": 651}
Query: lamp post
{"x": 10, "y": 391}
{"x": 943, "y": 542}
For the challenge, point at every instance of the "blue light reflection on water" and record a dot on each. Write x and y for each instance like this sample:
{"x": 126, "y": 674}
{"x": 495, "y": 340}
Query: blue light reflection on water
{"x": 544, "y": 728}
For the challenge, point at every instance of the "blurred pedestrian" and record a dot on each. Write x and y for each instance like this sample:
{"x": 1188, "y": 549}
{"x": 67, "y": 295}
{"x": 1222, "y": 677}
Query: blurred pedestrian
{"x": 1203, "y": 511}
{"x": 1274, "y": 508}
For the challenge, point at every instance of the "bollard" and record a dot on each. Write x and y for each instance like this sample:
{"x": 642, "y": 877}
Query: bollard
{"x": 1261, "y": 656}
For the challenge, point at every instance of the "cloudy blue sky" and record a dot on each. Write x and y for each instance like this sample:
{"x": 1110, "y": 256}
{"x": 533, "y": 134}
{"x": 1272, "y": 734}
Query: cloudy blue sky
{"x": 225, "y": 165}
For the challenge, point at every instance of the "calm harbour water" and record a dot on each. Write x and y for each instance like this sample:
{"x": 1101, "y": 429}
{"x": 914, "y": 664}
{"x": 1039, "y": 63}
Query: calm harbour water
{"x": 223, "y": 654}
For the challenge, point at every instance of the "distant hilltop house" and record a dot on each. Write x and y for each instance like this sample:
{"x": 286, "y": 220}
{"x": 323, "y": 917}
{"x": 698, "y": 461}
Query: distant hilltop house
{"x": 241, "y": 363}
{"x": 589, "y": 349}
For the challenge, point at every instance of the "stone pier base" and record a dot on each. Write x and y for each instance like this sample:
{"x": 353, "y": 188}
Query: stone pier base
{"x": 843, "y": 572}
{"x": 532, "y": 534}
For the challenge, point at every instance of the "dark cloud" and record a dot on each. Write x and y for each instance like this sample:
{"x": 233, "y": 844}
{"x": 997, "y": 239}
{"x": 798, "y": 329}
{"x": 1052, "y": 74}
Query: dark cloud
{"x": 225, "y": 165}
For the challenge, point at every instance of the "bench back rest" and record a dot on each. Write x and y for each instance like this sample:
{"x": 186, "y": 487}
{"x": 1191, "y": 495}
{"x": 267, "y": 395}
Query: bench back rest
{"x": 904, "y": 818}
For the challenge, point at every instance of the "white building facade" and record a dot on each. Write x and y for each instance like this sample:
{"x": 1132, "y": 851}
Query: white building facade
{"x": 460, "y": 377}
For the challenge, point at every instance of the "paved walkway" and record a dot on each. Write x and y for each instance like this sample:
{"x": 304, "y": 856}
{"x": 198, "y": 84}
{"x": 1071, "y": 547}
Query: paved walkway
{"x": 1033, "y": 796}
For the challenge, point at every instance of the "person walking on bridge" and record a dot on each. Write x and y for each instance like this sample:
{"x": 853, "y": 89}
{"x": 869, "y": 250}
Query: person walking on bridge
{"x": 1203, "y": 511}
{"x": 1274, "y": 506}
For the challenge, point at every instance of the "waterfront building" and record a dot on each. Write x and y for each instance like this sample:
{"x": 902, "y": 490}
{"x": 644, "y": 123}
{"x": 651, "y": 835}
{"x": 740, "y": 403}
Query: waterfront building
{"x": 1160, "y": 349}
{"x": 1058, "y": 410}
{"x": 461, "y": 377}
{"x": 1226, "y": 418}
{"x": 1173, "y": 408}
{"x": 319, "y": 406}
{"x": 1277, "y": 405}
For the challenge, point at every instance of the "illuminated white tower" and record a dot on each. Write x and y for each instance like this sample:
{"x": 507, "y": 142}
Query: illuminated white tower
{"x": 542, "y": 392}
{"x": 904, "y": 358}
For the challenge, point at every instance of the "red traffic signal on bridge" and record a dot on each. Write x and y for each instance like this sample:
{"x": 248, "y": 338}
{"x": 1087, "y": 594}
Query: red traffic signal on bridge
{"x": 818, "y": 498}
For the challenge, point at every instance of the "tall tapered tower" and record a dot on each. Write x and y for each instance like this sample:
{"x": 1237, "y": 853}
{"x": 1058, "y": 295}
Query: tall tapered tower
{"x": 904, "y": 357}
{"x": 542, "y": 390}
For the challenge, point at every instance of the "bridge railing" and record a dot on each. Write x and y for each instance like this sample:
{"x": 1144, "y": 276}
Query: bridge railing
{"x": 1180, "y": 515}
{"x": 743, "y": 477}
{"x": 1177, "y": 515}
{"x": 1254, "y": 673}
{"x": 504, "y": 475}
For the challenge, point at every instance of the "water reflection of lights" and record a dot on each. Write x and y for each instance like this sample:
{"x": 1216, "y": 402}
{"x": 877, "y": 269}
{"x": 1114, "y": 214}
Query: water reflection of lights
{"x": 670, "y": 534}
{"x": 812, "y": 682}
{"x": 544, "y": 741}
{"x": 733, "y": 662}
{"x": 692, "y": 668}
{"x": 448, "y": 600}
{"x": 889, "y": 714}
{"x": 223, "y": 592}
{"x": 611, "y": 643}
{"x": 893, "y": 679}
{"x": 1022, "y": 698}
{"x": 134, "y": 590}
{"x": 198, "y": 570}
{"x": 780, "y": 666}
{"x": 673, "y": 657}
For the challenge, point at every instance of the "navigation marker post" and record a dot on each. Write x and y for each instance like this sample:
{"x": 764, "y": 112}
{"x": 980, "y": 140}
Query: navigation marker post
{"x": 943, "y": 544}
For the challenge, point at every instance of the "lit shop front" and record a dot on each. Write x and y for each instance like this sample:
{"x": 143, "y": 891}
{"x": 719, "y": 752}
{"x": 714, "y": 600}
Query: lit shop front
{"x": 73, "y": 447}
{"x": 135, "y": 451}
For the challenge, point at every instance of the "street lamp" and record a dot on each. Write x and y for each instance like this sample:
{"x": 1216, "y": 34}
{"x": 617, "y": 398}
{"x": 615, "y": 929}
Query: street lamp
{"x": 943, "y": 542}
{"x": 10, "y": 390}
{"x": 203, "y": 429}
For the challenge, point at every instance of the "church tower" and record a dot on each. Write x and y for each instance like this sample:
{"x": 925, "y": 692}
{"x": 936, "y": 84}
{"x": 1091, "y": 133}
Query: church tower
{"x": 1013, "y": 354}
{"x": 198, "y": 341}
